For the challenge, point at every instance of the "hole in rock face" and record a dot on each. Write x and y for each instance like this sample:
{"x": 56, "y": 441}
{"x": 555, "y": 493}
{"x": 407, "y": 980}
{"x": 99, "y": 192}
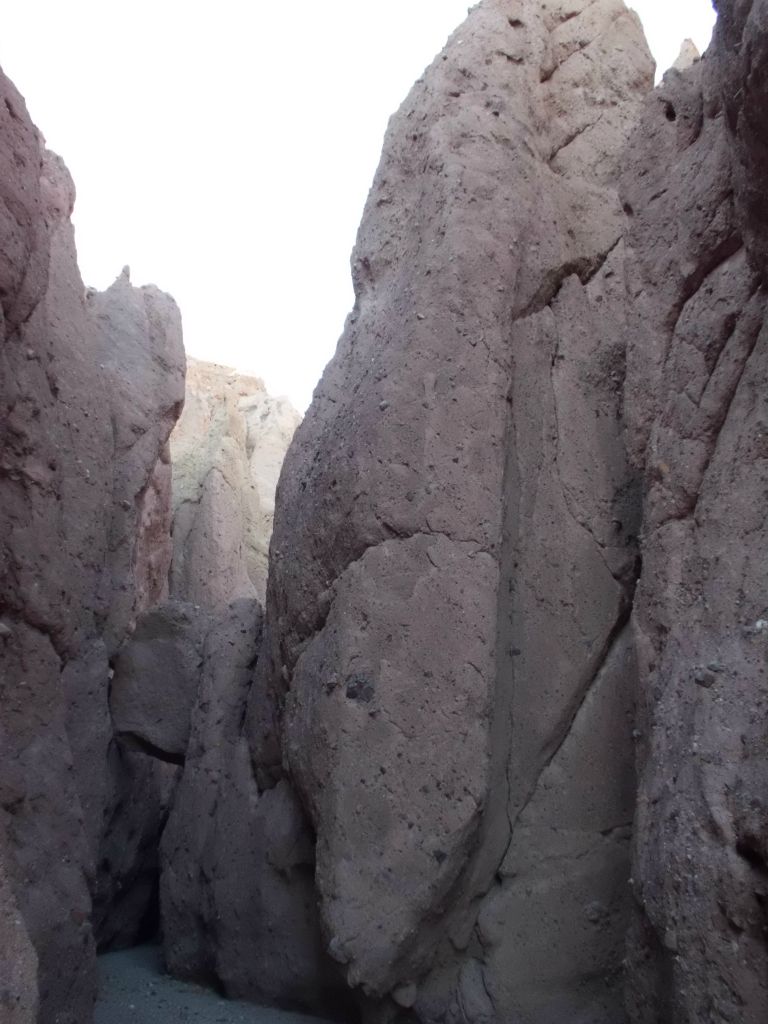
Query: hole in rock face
{"x": 748, "y": 849}
{"x": 628, "y": 209}
{"x": 669, "y": 112}
{"x": 360, "y": 689}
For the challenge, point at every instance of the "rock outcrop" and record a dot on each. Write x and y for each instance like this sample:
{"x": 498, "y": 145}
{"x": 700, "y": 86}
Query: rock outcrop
{"x": 496, "y": 749}
{"x": 455, "y": 542}
{"x": 695, "y": 190}
{"x": 220, "y": 917}
{"x": 90, "y": 386}
{"x": 227, "y": 451}
{"x": 153, "y": 689}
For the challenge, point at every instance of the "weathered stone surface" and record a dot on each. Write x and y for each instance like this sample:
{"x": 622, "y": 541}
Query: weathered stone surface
{"x": 139, "y": 790}
{"x": 89, "y": 388}
{"x": 227, "y": 449}
{"x": 430, "y": 641}
{"x": 556, "y": 923}
{"x": 18, "y": 962}
{"x": 156, "y": 679}
{"x": 698, "y": 358}
{"x": 437, "y": 744}
{"x": 255, "y": 935}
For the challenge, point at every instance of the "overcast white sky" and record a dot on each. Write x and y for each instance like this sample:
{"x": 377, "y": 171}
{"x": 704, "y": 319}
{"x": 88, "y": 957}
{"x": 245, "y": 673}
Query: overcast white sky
{"x": 224, "y": 150}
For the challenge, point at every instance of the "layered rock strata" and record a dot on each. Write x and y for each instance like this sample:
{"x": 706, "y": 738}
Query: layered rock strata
{"x": 90, "y": 386}
{"x": 227, "y": 451}
{"x": 18, "y": 961}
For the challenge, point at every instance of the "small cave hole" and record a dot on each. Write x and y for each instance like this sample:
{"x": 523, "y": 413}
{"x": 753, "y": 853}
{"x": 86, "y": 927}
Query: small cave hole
{"x": 669, "y": 112}
{"x": 747, "y": 849}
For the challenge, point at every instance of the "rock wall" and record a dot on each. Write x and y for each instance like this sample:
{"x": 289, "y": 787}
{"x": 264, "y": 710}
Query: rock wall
{"x": 507, "y": 703}
{"x": 694, "y": 189}
{"x": 227, "y": 451}
{"x": 451, "y": 697}
{"x": 539, "y": 399}
{"x": 90, "y": 386}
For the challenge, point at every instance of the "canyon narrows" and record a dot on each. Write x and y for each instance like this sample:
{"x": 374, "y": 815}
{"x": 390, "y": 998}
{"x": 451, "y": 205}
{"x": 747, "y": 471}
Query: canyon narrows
{"x": 487, "y": 743}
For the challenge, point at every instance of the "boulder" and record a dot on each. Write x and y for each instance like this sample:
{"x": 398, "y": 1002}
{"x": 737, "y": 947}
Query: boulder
{"x": 156, "y": 680}
{"x": 18, "y": 962}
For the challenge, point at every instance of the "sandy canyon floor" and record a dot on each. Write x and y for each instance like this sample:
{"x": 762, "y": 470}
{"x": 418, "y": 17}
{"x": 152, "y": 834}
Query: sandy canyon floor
{"x": 133, "y": 989}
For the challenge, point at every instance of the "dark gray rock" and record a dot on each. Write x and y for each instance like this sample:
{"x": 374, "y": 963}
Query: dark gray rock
{"x": 156, "y": 680}
{"x": 455, "y": 538}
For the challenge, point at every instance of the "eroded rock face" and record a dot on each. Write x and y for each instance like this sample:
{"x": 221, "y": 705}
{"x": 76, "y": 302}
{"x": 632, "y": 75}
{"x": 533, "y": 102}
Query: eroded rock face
{"x": 458, "y": 478}
{"x": 695, "y": 185}
{"x": 156, "y": 677}
{"x": 427, "y": 782}
{"x": 18, "y": 961}
{"x": 227, "y": 452}
{"x": 255, "y": 935}
{"x": 90, "y": 386}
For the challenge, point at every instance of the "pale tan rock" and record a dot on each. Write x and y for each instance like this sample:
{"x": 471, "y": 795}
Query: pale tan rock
{"x": 688, "y": 56}
{"x": 227, "y": 452}
{"x": 156, "y": 680}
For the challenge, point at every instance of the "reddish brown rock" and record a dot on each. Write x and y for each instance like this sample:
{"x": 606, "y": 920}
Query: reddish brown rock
{"x": 156, "y": 680}
{"x": 90, "y": 386}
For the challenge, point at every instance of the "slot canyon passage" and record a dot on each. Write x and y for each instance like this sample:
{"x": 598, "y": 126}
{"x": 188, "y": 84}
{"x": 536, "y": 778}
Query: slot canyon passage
{"x": 480, "y": 736}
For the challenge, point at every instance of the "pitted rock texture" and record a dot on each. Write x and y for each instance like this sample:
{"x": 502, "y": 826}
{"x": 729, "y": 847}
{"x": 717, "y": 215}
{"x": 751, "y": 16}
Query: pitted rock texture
{"x": 227, "y": 452}
{"x": 695, "y": 186}
{"x": 18, "y": 962}
{"x": 156, "y": 677}
{"x": 430, "y": 641}
{"x": 90, "y": 386}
